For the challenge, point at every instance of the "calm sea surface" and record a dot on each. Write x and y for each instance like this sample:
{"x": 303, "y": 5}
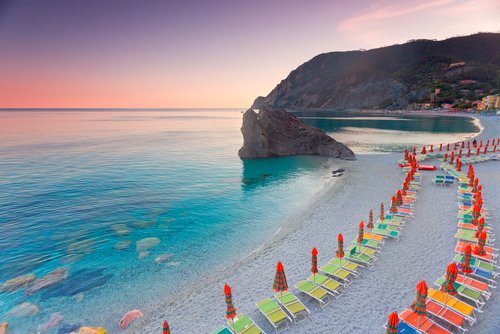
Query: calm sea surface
{"x": 134, "y": 204}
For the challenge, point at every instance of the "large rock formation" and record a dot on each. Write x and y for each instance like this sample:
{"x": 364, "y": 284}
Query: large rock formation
{"x": 274, "y": 132}
{"x": 393, "y": 77}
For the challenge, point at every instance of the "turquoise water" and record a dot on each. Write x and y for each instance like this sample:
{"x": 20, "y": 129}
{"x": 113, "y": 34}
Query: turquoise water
{"x": 68, "y": 178}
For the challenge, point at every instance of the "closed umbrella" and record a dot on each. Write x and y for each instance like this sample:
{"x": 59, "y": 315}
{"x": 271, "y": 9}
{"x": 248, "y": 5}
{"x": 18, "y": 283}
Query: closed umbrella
{"x": 445, "y": 159}
{"x": 449, "y": 283}
{"x": 480, "y": 227}
{"x": 419, "y": 306}
{"x": 360, "y": 234}
{"x": 452, "y": 158}
{"x": 340, "y": 250}
{"x": 465, "y": 263}
{"x": 314, "y": 262}
{"x": 392, "y": 323}
{"x": 423, "y": 150}
{"x": 166, "y": 328}
{"x": 432, "y": 149}
{"x": 370, "y": 220}
{"x": 479, "y": 250}
{"x": 399, "y": 197}
{"x": 393, "y": 204}
{"x": 382, "y": 211}
{"x": 230, "y": 309}
{"x": 280, "y": 283}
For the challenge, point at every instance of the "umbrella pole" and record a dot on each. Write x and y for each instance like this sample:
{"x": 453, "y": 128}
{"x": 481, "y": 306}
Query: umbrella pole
{"x": 418, "y": 321}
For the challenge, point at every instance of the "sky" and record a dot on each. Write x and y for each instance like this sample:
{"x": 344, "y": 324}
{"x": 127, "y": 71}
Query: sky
{"x": 198, "y": 54}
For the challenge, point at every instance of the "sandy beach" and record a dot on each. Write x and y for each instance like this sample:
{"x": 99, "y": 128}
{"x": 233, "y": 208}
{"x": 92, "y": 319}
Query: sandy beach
{"x": 424, "y": 250}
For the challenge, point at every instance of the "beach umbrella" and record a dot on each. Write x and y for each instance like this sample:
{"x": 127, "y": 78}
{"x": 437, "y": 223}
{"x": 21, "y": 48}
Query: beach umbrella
{"x": 406, "y": 154}
{"x": 403, "y": 192}
{"x": 459, "y": 165}
{"x": 468, "y": 143}
{"x": 166, "y": 328}
{"x": 449, "y": 284}
{"x": 360, "y": 234}
{"x": 460, "y": 153}
{"x": 485, "y": 150}
{"x": 480, "y": 227}
{"x": 468, "y": 153}
{"x": 481, "y": 143}
{"x": 440, "y": 147}
{"x": 370, "y": 220}
{"x": 465, "y": 263}
{"x": 448, "y": 147}
{"x": 230, "y": 309}
{"x": 494, "y": 149}
{"x": 432, "y": 149}
{"x": 462, "y": 145}
{"x": 445, "y": 157}
{"x": 399, "y": 197}
{"x": 393, "y": 204}
{"x": 340, "y": 250}
{"x": 475, "y": 214}
{"x": 314, "y": 262}
{"x": 424, "y": 151}
{"x": 280, "y": 283}
{"x": 382, "y": 212}
{"x": 414, "y": 150}
{"x": 455, "y": 146}
{"x": 419, "y": 306}
{"x": 479, "y": 250}
{"x": 452, "y": 158}
{"x": 478, "y": 150}
{"x": 392, "y": 323}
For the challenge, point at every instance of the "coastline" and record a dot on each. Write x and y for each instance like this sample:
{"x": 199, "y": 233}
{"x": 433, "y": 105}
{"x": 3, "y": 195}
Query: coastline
{"x": 337, "y": 208}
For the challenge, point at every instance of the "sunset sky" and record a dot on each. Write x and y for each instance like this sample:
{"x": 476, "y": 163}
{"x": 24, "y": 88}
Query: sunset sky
{"x": 218, "y": 53}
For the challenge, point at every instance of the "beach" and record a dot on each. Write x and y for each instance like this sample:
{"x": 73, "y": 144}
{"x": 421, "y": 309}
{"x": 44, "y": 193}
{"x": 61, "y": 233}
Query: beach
{"x": 424, "y": 250}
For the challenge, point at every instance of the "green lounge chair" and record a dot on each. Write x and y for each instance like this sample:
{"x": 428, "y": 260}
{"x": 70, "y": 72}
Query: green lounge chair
{"x": 293, "y": 306}
{"x": 274, "y": 313}
{"x": 360, "y": 258}
{"x": 381, "y": 229}
{"x": 372, "y": 244}
{"x": 361, "y": 249}
{"x": 345, "y": 264}
{"x": 244, "y": 325}
{"x": 314, "y": 291}
{"x": 326, "y": 282}
{"x": 466, "y": 292}
{"x": 341, "y": 274}
{"x": 475, "y": 262}
{"x": 469, "y": 235}
{"x": 222, "y": 330}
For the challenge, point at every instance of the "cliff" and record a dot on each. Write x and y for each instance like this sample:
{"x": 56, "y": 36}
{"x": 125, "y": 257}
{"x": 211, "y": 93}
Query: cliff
{"x": 273, "y": 132}
{"x": 393, "y": 77}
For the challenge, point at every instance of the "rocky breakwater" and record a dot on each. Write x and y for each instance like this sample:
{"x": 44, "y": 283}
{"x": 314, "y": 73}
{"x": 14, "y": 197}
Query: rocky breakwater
{"x": 274, "y": 132}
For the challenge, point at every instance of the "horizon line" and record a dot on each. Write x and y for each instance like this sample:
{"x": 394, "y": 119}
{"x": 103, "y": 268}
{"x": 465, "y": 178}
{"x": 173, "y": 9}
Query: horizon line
{"x": 135, "y": 108}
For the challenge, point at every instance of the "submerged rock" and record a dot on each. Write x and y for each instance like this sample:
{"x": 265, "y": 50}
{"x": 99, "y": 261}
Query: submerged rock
{"x": 163, "y": 258}
{"x": 144, "y": 223}
{"x": 25, "y": 309}
{"x": 81, "y": 247}
{"x": 146, "y": 243}
{"x": 51, "y": 278}
{"x": 143, "y": 255}
{"x": 121, "y": 229}
{"x": 274, "y": 132}
{"x": 17, "y": 283}
{"x": 3, "y": 328}
{"x": 121, "y": 245}
{"x": 128, "y": 318}
{"x": 81, "y": 281}
{"x": 68, "y": 328}
{"x": 54, "y": 320}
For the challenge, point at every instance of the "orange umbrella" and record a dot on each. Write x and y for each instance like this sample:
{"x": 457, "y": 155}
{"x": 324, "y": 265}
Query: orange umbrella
{"x": 280, "y": 283}
{"x": 392, "y": 323}
{"x": 166, "y": 328}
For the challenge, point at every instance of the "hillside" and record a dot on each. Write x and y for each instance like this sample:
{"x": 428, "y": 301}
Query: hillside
{"x": 462, "y": 69}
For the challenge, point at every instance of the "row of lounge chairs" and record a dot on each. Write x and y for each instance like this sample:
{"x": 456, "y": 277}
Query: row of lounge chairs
{"x": 286, "y": 309}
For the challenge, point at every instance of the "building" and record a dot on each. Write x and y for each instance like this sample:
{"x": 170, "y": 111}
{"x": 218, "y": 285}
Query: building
{"x": 490, "y": 102}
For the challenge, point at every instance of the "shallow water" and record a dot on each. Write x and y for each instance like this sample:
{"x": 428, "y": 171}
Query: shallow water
{"x": 68, "y": 178}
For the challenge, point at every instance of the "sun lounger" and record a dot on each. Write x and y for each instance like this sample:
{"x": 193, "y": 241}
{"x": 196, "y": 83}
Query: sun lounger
{"x": 481, "y": 274}
{"x": 475, "y": 262}
{"x": 404, "y": 328}
{"x": 346, "y": 264}
{"x": 475, "y": 284}
{"x": 447, "y": 315}
{"x": 489, "y": 256}
{"x": 469, "y": 235}
{"x": 372, "y": 244}
{"x": 314, "y": 291}
{"x": 426, "y": 325}
{"x": 222, "y": 330}
{"x": 362, "y": 249}
{"x": 274, "y": 314}
{"x": 473, "y": 296}
{"x": 375, "y": 237}
{"x": 381, "y": 229}
{"x": 244, "y": 325}
{"x": 341, "y": 274}
{"x": 453, "y": 303}
{"x": 361, "y": 258}
{"x": 326, "y": 282}
{"x": 293, "y": 306}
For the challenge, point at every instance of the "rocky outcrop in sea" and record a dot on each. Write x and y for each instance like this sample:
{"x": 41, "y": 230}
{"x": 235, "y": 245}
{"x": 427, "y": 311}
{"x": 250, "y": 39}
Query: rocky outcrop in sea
{"x": 275, "y": 132}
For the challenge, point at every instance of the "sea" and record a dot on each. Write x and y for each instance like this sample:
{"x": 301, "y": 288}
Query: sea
{"x": 132, "y": 205}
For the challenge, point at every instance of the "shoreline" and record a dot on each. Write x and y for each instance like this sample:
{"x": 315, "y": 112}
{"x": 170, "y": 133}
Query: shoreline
{"x": 287, "y": 234}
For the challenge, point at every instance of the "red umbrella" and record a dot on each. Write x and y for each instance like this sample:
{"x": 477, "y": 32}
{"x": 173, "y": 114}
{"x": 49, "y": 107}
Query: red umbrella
{"x": 452, "y": 158}
{"x": 479, "y": 250}
{"x": 423, "y": 150}
{"x": 414, "y": 150}
{"x": 399, "y": 197}
{"x": 480, "y": 227}
{"x": 360, "y": 234}
{"x": 440, "y": 147}
{"x": 465, "y": 264}
{"x": 280, "y": 283}
{"x": 382, "y": 213}
{"x": 478, "y": 150}
{"x": 166, "y": 328}
{"x": 340, "y": 250}
{"x": 445, "y": 157}
{"x": 463, "y": 145}
{"x": 314, "y": 260}
{"x": 419, "y": 306}
{"x": 448, "y": 147}
{"x": 393, "y": 204}
{"x": 230, "y": 309}
{"x": 468, "y": 153}
{"x": 392, "y": 323}
{"x": 485, "y": 150}
{"x": 460, "y": 153}
{"x": 432, "y": 149}
{"x": 370, "y": 220}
